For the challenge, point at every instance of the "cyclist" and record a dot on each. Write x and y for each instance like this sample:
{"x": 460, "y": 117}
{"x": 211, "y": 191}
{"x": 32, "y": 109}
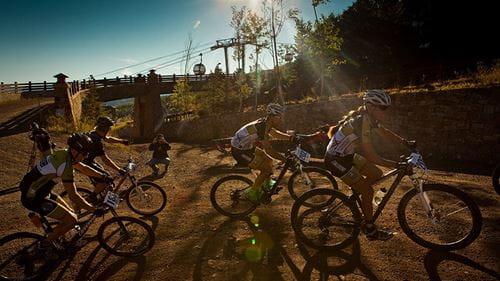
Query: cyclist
{"x": 250, "y": 146}
{"x": 98, "y": 135}
{"x": 42, "y": 140}
{"x": 37, "y": 184}
{"x": 351, "y": 156}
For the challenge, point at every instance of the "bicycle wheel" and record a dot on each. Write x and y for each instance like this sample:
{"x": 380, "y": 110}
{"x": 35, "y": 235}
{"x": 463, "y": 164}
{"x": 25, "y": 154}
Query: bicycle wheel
{"x": 126, "y": 236}
{"x": 331, "y": 225}
{"x": 20, "y": 258}
{"x": 453, "y": 223}
{"x": 495, "y": 177}
{"x": 146, "y": 198}
{"x": 228, "y": 198}
{"x": 311, "y": 178}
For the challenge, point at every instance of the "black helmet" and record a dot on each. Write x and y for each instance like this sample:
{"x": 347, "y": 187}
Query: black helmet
{"x": 104, "y": 122}
{"x": 80, "y": 142}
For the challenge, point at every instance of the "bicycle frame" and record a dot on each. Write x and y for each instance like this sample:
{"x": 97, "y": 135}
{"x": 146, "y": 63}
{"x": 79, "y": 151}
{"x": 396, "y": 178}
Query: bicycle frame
{"x": 408, "y": 170}
{"x": 290, "y": 160}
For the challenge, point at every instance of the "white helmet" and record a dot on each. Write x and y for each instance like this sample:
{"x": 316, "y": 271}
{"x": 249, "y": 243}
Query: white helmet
{"x": 275, "y": 109}
{"x": 377, "y": 97}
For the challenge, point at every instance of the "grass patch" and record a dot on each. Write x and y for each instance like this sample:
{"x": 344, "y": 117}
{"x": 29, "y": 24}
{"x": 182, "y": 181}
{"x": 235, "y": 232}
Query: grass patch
{"x": 9, "y": 98}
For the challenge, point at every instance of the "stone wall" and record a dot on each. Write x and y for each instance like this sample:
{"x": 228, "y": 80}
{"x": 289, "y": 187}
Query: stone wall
{"x": 455, "y": 125}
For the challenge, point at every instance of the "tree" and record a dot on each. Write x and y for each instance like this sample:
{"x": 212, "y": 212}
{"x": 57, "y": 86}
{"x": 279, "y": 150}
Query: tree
{"x": 237, "y": 22}
{"x": 254, "y": 31}
{"x": 275, "y": 16}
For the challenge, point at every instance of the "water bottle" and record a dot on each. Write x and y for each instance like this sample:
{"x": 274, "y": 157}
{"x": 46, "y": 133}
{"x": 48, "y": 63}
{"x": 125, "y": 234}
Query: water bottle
{"x": 379, "y": 195}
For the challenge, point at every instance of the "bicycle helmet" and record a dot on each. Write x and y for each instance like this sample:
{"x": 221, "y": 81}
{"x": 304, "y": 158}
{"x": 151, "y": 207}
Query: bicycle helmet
{"x": 104, "y": 122}
{"x": 80, "y": 142}
{"x": 275, "y": 109}
{"x": 377, "y": 97}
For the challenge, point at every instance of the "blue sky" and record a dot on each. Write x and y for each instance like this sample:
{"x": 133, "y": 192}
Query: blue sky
{"x": 79, "y": 38}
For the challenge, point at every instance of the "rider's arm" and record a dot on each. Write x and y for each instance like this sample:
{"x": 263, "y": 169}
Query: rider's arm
{"x": 77, "y": 198}
{"x": 279, "y": 135}
{"x": 86, "y": 170}
{"x": 110, "y": 139}
{"x": 109, "y": 162}
{"x": 368, "y": 151}
{"x": 266, "y": 145}
{"x": 390, "y": 135}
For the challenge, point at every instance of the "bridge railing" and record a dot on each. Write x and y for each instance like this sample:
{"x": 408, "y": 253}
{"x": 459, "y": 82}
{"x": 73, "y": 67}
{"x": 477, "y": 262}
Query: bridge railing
{"x": 20, "y": 88}
{"x": 47, "y": 88}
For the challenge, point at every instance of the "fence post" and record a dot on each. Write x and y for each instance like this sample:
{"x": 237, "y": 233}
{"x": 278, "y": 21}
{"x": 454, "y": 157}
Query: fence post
{"x": 174, "y": 77}
{"x": 105, "y": 81}
{"x": 117, "y": 80}
{"x": 15, "y": 87}
{"x": 45, "y": 86}
{"x": 159, "y": 78}
{"x": 29, "y": 86}
{"x": 1, "y": 87}
{"x": 130, "y": 78}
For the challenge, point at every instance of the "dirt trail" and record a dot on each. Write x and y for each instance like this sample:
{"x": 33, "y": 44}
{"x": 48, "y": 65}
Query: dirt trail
{"x": 192, "y": 240}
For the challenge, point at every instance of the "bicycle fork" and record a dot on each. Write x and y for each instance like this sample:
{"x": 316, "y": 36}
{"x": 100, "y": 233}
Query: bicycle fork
{"x": 424, "y": 199}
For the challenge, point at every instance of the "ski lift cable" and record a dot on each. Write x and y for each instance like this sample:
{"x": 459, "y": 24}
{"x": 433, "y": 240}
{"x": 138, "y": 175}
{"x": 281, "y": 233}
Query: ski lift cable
{"x": 150, "y": 60}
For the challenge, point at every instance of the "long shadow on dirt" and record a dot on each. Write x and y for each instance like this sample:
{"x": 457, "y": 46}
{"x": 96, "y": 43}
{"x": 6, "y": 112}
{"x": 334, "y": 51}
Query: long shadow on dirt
{"x": 88, "y": 272}
{"x": 21, "y": 122}
{"x": 251, "y": 253}
{"x": 322, "y": 264}
{"x": 241, "y": 249}
{"x": 433, "y": 258}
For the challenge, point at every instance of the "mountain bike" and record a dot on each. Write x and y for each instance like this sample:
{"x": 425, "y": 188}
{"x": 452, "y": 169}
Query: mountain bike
{"x": 495, "y": 177}
{"x": 435, "y": 216}
{"x": 23, "y": 258}
{"x": 143, "y": 197}
{"x": 228, "y": 193}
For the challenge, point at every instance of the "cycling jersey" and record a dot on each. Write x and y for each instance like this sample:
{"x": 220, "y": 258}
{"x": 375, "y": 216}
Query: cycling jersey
{"x": 247, "y": 136}
{"x": 97, "y": 147}
{"x": 344, "y": 141}
{"x": 38, "y": 182}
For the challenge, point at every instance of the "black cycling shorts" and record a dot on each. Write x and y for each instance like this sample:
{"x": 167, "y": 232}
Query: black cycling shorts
{"x": 243, "y": 157}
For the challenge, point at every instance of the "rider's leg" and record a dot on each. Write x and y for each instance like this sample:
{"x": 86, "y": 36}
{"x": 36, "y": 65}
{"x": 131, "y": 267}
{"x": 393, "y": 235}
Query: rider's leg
{"x": 66, "y": 218}
{"x": 263, "y": 163}
{"x": 362, "y": 186}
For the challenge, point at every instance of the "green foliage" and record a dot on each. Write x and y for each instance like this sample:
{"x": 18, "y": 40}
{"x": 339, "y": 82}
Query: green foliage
{"x": 182, "y": 97}
{"x": 221, "y": 94}
{"x": 92, "y": 109}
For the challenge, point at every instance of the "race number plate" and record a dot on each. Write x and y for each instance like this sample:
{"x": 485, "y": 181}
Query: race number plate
{"x": 303, "y": 155}
{"x": 112, "y": 199}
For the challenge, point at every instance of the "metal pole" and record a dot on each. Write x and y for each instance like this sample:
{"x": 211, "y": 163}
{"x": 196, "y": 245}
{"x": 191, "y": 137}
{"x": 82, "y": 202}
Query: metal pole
{"x": 227, "y": 63}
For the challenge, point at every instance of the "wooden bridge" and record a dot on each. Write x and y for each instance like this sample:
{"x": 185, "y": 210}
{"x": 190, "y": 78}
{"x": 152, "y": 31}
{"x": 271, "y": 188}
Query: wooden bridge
{"x": 103, "y": 86}
{"x": 148, "y": 112}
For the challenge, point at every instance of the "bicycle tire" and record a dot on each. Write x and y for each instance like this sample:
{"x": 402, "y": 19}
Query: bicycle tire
{"x": 350, "y": 218}
{"x": 9, "y": 250}
{"x": 294, "y": 179}
{"x": 495, "y": 178}
{"x": 435, "y": 191}
{"x": 159, "y": 196}
{"x": 235, "y": 196}
{"x": 147, "y": 237}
